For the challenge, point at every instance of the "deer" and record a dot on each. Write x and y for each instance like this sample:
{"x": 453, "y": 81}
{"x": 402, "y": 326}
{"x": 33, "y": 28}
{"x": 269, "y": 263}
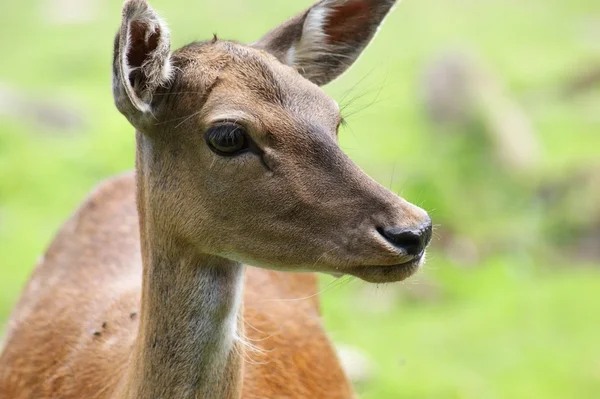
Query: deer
{"x": 171, "y": 281}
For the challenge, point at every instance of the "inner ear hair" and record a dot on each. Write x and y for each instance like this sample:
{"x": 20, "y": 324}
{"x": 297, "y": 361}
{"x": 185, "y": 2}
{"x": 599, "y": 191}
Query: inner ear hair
{"x": 142, "y": 56}
{"x": 143, "y": 42}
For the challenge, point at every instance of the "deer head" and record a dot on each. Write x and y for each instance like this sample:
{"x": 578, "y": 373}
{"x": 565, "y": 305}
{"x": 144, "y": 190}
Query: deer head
{"x": 237, "y": 152}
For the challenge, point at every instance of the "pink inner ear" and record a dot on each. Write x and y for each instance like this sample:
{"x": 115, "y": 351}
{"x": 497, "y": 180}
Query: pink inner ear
{"x": 346, "y": 23}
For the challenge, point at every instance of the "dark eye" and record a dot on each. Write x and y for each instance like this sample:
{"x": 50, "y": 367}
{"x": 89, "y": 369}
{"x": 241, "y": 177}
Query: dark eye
{"x": 227, "y": 139}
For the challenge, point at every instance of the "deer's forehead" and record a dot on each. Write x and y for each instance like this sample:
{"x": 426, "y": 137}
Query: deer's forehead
{"x": 255, "y": 80}
{"x": 264, "y": 79}
{"x": 289, "y": 104}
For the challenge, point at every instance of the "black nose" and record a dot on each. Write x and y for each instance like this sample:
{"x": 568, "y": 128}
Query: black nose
{"x": 412, "y": 241}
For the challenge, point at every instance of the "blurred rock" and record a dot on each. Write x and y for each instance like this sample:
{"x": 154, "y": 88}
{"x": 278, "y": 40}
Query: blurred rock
{"x": 587, "y": 246}
{"x": 582, "y": 81}
{"x": 572, "y": 200}
{"x": 459, "y": 92}
{"x": 69, "y": 12}
{"x": 446, "y": 89}
{"x": 359, "y": 367}
{"x": 45, "y": 115}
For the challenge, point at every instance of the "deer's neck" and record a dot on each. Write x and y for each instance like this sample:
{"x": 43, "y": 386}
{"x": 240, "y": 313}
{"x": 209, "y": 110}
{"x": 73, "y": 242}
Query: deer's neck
{"x": 189, "y": 321}
{"x": 188, "y": 329}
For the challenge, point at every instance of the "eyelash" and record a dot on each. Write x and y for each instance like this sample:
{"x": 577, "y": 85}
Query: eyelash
{"x": 219, "y": 136}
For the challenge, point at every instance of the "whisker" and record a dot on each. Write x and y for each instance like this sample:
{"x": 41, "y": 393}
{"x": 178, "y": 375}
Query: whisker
{"x": 187, "y": 119}
{"x": 374, "y": 101}
{"x": 354, "y": 86}
{"x": 332, "y": 284}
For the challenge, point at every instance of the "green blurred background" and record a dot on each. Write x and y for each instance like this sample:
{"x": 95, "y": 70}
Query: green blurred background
{"x": 484, "y": 112}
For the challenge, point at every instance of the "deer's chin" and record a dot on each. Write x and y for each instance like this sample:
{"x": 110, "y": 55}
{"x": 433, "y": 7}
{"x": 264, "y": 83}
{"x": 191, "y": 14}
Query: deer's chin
{"x": 387, "y": 274}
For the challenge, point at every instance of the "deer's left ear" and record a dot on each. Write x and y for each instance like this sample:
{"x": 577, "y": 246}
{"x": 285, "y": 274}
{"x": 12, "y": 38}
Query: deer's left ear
{"x": 322, "y": 42}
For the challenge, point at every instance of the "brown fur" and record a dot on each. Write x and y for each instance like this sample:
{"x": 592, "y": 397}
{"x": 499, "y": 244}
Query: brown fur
{"x": 147, "y": 302}
{"x": 87, "y": 290}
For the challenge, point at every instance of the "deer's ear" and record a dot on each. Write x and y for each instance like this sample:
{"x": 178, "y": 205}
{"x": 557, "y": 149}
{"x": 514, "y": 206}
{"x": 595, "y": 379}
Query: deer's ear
{"x": 322, "y": 42}
{"x": 142, "y": 59}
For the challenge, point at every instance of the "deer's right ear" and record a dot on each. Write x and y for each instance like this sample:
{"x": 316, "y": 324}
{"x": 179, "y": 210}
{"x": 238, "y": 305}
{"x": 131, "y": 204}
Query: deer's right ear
{"x": 142, "y": 59}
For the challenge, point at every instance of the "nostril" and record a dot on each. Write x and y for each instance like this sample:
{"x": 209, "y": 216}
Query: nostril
{"x": 413, "y": 242}
{"x": 408, "y": 240}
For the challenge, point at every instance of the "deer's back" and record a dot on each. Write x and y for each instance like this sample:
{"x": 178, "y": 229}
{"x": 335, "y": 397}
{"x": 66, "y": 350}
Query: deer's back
{"x": 72, "y": 332}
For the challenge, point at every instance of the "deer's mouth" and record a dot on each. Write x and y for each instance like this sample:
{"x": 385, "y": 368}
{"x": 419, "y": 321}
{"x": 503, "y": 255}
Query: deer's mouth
{"x": 387, "y": 274}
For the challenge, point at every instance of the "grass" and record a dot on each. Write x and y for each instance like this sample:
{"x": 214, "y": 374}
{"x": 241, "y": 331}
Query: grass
{"x": 495, "y": 333}
{"x": 520, "y": 322}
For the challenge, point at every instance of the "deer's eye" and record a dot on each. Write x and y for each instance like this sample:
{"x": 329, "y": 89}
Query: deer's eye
{"x": 227, "y": 139}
